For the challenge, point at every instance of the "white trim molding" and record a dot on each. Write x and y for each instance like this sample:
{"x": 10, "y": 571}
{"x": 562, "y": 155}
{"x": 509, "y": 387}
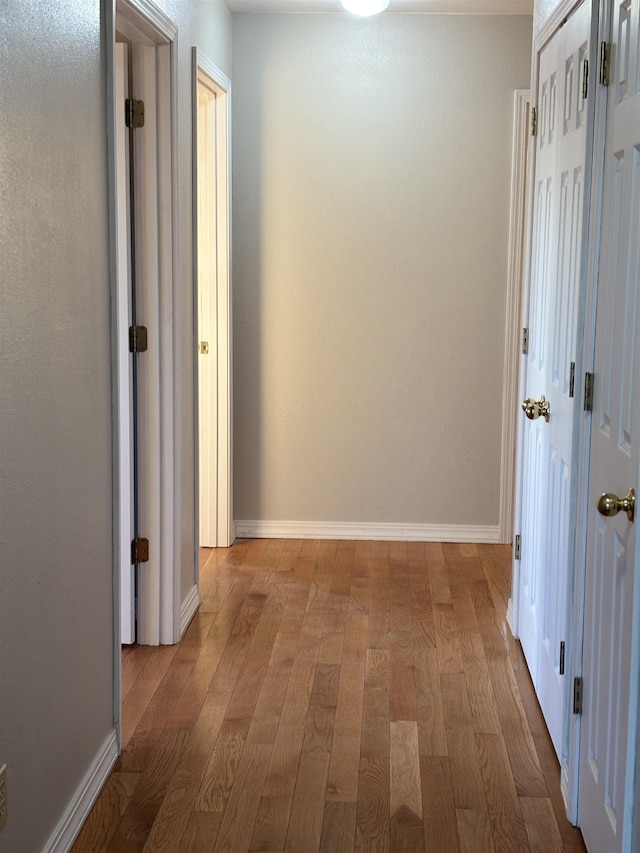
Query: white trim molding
{"x": 189, "y": 608}
{"x": 84, "y": 797}
{"x": 515, "y": 268}
{"x": 366, "y": 530}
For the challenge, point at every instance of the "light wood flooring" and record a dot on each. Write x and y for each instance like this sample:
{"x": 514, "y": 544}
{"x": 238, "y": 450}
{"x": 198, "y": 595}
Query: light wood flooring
{"x": 336, "y": 696}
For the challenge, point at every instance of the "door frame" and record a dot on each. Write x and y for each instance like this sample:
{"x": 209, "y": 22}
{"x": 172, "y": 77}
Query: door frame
{"x": 570, "y": 770}
{"x": 601, "y": 25}
{"x": 220, "y": 492}
{"x": 518, "y": 221}
{"x": 144, "y": 22}
{"x": 584, "y": 355}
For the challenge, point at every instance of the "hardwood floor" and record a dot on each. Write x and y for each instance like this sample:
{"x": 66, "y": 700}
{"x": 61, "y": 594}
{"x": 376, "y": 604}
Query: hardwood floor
{"x": 336, "y": 696}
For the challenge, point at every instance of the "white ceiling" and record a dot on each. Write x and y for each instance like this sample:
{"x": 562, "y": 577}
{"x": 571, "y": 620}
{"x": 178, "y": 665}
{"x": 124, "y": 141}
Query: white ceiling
{"x": 418, "y": 7}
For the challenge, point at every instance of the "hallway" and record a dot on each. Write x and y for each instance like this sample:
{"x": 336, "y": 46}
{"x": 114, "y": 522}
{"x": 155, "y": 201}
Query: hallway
{"x": 336, "y": 696}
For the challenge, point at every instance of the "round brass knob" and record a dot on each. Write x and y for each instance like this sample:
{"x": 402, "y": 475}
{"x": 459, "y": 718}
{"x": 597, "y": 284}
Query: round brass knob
{"x": 536, "y": 408}
{"x": 610, "y": 504}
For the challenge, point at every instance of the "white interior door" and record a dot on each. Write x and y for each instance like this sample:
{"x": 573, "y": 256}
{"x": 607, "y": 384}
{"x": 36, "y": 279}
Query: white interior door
{"x": 147, "y": 272}
{"x": 611, "y": 645}
{"x": 124, "y": 367}
{"x": 547, "y": 524}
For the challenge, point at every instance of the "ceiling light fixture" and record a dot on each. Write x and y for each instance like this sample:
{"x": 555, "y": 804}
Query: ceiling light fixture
{"x": 364, "y": 8}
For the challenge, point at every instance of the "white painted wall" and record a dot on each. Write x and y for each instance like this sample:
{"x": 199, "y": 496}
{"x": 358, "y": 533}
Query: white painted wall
{"x": 56, "y": 606}
{"x": 371, "y": 203}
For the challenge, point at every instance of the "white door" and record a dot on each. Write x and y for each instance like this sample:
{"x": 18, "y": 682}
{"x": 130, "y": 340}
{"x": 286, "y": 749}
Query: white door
{"x": 148, "y": 207}
{"x": 610, "y": 661}
{"x": 124, "y": 366}
{"x": 548, "y": 445}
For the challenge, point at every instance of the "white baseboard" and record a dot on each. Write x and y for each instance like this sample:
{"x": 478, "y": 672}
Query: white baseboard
{"x": 365, "y": 530}
{"x": 85, "y": 796}
{"x": 189, "y": 609}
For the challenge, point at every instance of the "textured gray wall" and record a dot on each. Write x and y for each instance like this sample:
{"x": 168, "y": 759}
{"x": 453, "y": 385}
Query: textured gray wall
{"x": 56, "y": 616}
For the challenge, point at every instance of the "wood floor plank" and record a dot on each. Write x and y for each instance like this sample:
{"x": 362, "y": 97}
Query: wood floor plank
{"x": 338, "y": 828}
{"x": 405, "y": 805}
{"x": 284, "y": 762}
{"x": 523, "y": 758}
{"x": 372, "y": 816}
{"x": 136, "y": 704}
{"x": 274, "y": 685}
{"x": 466, "y": 781}
{"x": 222, "y": 766}
{"x": 138, "y": 819}
{"x": 438, "y": 580}
{"x": 440, "y": 821}
{"x": 507, "y": 823}
{"x": 447, "y": 639}
{"x": 200, "y": 833}
{"x": 474, "y": 831}
{"x": 105, "y": 815}
{"x": 342, "y": 784}
{"x": 272, "y": 820}
{"x": 479, "y": 686}
{"x": 540, "y": 822}
{"x": 406, "y": 789}
{"x": 571, "y": 836}
{"x": 241, "y": 809}
{"x": 429, "y": 708}
{"x": 305, "y": 820}
{"x": 336, "y": 696}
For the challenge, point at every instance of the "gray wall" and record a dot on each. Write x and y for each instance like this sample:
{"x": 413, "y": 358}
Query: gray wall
{"x": 371, "y": 203}
{"x": 56, "y": 617}
{"x": 56, "y": 611}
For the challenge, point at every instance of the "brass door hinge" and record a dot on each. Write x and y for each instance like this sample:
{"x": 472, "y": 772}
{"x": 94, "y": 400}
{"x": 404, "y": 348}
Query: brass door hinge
{"x": 525, "y": 342}
{"x": 534, "y": 121}
{"x": 134, "y": 113}
{"x": 588, "y": 392}
{"x": 577, "y": 695}
{"x": 137, "y": 338}
{"x": 605, "y": 56}
{"x": 139, "y": 550}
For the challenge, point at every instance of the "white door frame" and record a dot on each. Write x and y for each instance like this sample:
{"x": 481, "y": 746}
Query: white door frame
{"x": 515, "y": 279}
{"x": 215, "y": 490}
{"x": 144, "y": 23}
{"x": 569, "y": 771}
{"x": 124, "y": 374}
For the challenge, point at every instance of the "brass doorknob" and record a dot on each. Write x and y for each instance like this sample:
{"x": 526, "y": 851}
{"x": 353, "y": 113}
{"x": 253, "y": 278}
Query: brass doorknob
{"x": 610, "y": 504}
{"x": 536, "y": 408}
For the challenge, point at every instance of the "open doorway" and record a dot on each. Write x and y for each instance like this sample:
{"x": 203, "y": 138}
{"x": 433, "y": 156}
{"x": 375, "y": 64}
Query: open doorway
{"x": 212, "y": 250}
{"x": 145, "y": 316}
